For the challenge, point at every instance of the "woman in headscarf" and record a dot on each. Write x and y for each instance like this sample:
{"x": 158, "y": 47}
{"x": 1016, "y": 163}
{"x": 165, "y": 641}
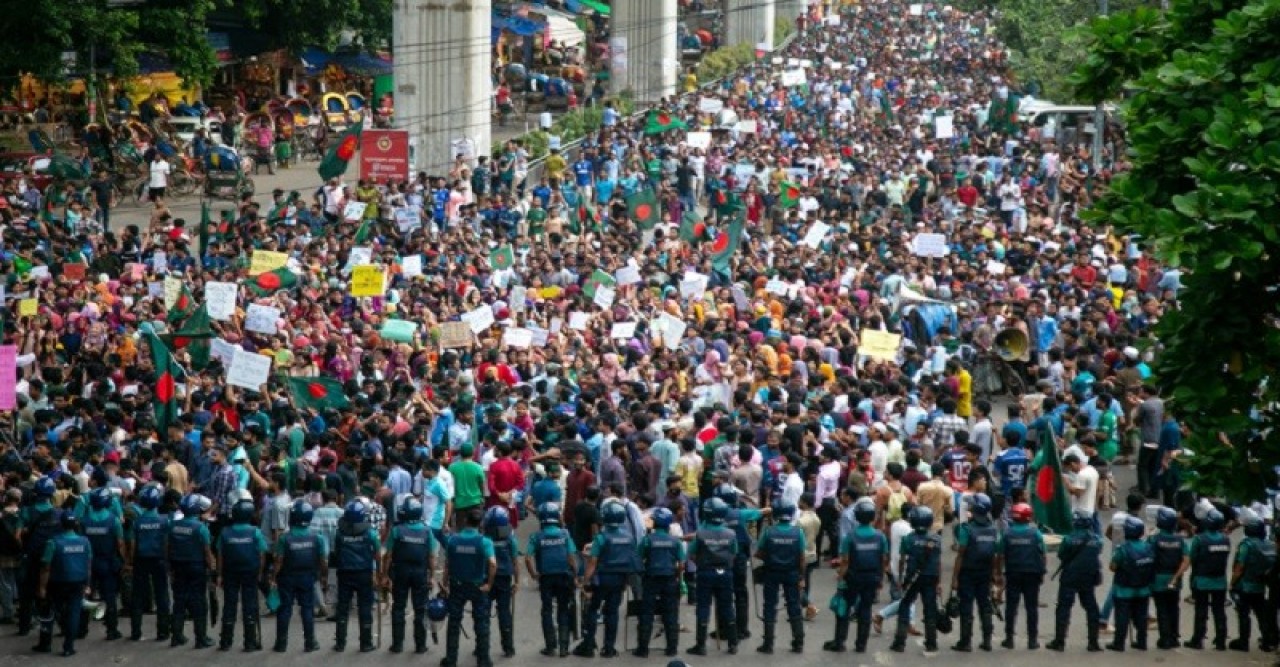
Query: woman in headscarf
{"x": 711, "y": 380}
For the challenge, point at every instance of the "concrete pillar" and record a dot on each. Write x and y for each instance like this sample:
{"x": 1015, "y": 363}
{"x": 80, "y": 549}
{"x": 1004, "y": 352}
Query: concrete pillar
{"x": 791, "y": 9}
{"x": 645, "y": 58}
{"x": 443, "y": 89}
{"x": 749, "y": 21}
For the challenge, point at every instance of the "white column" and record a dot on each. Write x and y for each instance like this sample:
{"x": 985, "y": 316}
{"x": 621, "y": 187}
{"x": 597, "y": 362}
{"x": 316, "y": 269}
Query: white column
{"x": 749, "y": 22}
{"x": 645, "y": 58}
{"x": 443, "y": 91}
{"x": 792, "y": 9}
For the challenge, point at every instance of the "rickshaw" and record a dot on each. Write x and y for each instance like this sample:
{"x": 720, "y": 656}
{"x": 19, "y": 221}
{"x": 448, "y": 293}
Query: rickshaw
{"x": 557, "y": 93}
{"x": 535, "y": 88}
{"x": 301, "y": 110}
{"x": 258, "y": 139}
{"x": 335, "y": 110}
{"x": 355, "y": 107}
{"x": 225, "y": 174}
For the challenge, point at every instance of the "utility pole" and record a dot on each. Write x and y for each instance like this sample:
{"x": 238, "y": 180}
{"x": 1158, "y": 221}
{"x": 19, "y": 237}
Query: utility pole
{"x": 1099, "y": 116}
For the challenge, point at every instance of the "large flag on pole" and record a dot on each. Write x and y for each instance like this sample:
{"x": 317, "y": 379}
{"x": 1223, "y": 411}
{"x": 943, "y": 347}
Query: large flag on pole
{"x": 166, "y": 399}
{"x": 1048, "y": 493}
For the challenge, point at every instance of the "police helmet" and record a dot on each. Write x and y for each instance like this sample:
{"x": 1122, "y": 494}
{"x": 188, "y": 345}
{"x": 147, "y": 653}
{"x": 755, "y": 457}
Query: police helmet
{"x": 1081, "y": 519}
{"x": 784, "y": 512}
{"x": 201, "y": 503}
{"x": 497, "y": 517}
{"x": 921, "y": 518}
{"x": 1021, "y": 513}
{"x": 662, "y": 518}
{"x": 715, "y": 510}
{"x": 613, "y": 514}
{"x": 1213, "y": 520}
{"x": 67, "y": 519}
{"x": 150, "y": 496}
{"x": 727, "y": 493}
{"x": 242, "y": 511}
{"x": 549, "y": 514}
{"x": 980, "y": 505}
{"x": 354, "y": 513}
{"x": 410, "y": 509}
{"x": 189, "y": 505}
{"x": 864, "y": 511}
{"x": 437, "y": 609}
{"x": 100, "y": 498}
{"x": 1256, "y": 529}
{"x": 45, "y": 487}
{"x": 1166, "y": 519}
{"x": 300, "y": 514}
{"x": 1134, "y": 528}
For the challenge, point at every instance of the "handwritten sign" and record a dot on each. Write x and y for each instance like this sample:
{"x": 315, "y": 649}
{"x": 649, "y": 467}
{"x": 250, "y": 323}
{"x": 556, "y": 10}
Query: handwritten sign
{"x": 623, "y": 330}
{"x": 220, "y": 300}
{"x": 995, "y": 268}
{"x": 943, "y": 127}
{"x": 360, "y": 257}
{"x": 27, "y": 308}
{"x": 223, "y": 351}
{"x": 817, "y": 232}
{"x": 74, "y": 272}
{"x": 517, "y": 337}
{"x": 698, "y": 140}
{"x": 400, "y": 331}
{"x": 411, "y": 266}
{"x": 354, "y": 210}
{"x": 604, "y": 297}
{"x": 261, "y": 319}
{"x": 172, "y": 290}
{"x": 776, "y": 286}
{"x": 263, "y": 261}
{"x": 367, "y": 280}
{"x": 479, "y": 319}
{"x": 454, "y": 335}
{"x": 540, "y": 336}
{"x": 249, "y": 370}
{"x": 578, "y": 320}
{"x": 930, "y": 245}
{"x": 879, "y": 345}
{"x": 627, "y": 275}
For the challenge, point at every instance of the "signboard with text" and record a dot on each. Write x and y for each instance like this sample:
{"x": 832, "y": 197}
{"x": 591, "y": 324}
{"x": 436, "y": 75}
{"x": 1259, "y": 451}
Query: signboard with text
{"x": 384, "y": 155}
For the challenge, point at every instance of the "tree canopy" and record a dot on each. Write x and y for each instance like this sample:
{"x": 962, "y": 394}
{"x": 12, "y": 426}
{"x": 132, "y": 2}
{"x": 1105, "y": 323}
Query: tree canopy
{"x": 1202, "y": 113}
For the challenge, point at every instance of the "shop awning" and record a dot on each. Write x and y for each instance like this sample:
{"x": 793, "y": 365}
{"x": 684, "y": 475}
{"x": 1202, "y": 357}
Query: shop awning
{"x": 597, "y": 6}
{"x": 315, "y": 60}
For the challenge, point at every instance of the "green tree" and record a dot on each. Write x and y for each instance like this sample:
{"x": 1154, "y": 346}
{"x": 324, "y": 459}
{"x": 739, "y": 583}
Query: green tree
{"x": 1202, "y": 112}
{"x": 294, "y": 26}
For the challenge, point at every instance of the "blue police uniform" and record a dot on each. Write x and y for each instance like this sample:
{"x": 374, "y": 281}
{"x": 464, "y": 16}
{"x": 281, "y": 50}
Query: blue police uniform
{"x": 738, "y": 521}
{"x": 661, "y": 555}
{"x": 865, "y": 550}
{"x": 1210, "y": 554}
{"x": 1257, "y": 559}
{"x": 188, "y": 539}
{"x": 410, "y": 546}
{"x": 468, "y": 554}
{"x": 355, "y": 549}
{"x": 150, "y": 573}
{"x": 105, "y": 533}
{"x": 240, "y": 551}
{"x": 40, "y": 525}
{"x": 617, "y": 558}
{"x": 551, "y": 550}
{"x": 1135, "y": 567}
{"x": 1023, "y": 553}
{"x": 924, "y": 565}
{"x": 506, "y": 552}
{"x": 714, "y": 550}
{"x": 69, "y": 558}
{"x": 1079, "y": 556}
{"x": 300, "y": 552}
{"x": 1170, "y": 548}
{"x": 782, "y": 549}
{"x": 980, "y": 541}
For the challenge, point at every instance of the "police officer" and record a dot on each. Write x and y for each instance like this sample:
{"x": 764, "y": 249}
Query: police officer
{"x": 406, "y": 567}
{"x": 864, "y": 559}
{"x": 355, "y": 551}
{"x": 1170, "y": 549}
{"x": 148, "y": 564}
{"x": 190, "y": 553}
{"x": 977, "y": 544}
{"x": 497, "y": 527}
{"x": 241, "y": 548}
{"x": 64, "y": 572}
{"x": 781, "y": 550}
{"x": 39, "y": 526}
{"x": 1208, "y": 556}
{"x": 1134, "y": 565}
{"x": 614, "y": 555}
{"x": 662, "y": 561}
{"x": 1022, "y": 553}
{"x": 551, "y": 559}
{"x": 469, "y": 568}
{"x": 920, "y": 562}
{"x": 738, "y": 519}
{"x": 301, "y": 555}
{"x": 1255, "y": 560}
{"x": 714, "y": 550}
{"x": 106, "y": 534}
{"x": 1080, "y": 563}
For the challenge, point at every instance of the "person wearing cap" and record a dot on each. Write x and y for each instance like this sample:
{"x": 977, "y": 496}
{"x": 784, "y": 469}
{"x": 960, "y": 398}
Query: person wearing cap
{"x": 470, "y": 567}
{"x": 64, "y": 572}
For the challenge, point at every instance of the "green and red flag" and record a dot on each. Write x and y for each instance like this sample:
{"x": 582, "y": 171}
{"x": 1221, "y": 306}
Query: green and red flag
{"x": 194, "y": 336}
{"x": 692, "y": 228}
{"x": 502, "y": 258}
{"x": 166, "y": 394}
{"x": 660, "y": 121}
{"x": 182, "y": 307}
{"x": 270, "y": 282}
{"x": 789, "y": 194}
{"x": 598, "y": 279}
{"x": 643, "y": 208}
{"x": 726, "y": 244}
{"x": 340, "y": 154}
{"x": 728, "y": 204}
{"x": 317, "y": 393}
{"x": 363, "y": 232}
{"x": 1049, "y": 497}
{"x": 586, "y": 217}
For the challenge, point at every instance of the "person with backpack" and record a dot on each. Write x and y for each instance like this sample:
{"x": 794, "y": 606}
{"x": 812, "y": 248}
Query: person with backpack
{"x": 864, "y": 560}
{"x": 781, "y": 547}
{"x": 978, "y": 546}
{"x": 1208, "y": 556}
{"x": 146, "y": 538}
{"x": 1254, "y": 564}
{"x": 1134, "y": 565}
{"x": 891, "y": 497}
{"x": 39, "y": 522}
{"x": 1022, "y": 552}
{"x": 355, "y": 549}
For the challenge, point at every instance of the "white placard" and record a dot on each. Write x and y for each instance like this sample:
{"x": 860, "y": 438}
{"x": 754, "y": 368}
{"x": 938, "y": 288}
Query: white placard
{"x": 915, "y": 10}
{"x": 745, "y": 127}
{"x": 578, "y": 320}
{"x": 672, "y": 331}
{"x": 159, "y": 261}
{"x": 517, "y": 298}
{"x": 623, "y": 330}
{"x": 172, "y": 290}
{"x": 604, "y": 297}
{"x": 360, "y": 257}
{"x": 517, "y": 337}
{"x": 222, "y": 350}
{"x": 943, "y": 128}
{"x": 249, "y": 370}
{"x": 261, "y": 319}
{"x": 817, "y": 232}
{"x": 740, "y": 299}
{"x": 995, "y": 268}
{"x": 220, "y": 300}
{"x": 693, "y": 286}
{"x": 557, "y": 323}
{"x": 930, "y": 245}
{"x": 806, "y": 63}
{"x": 627, "y": 275}
{"x": 698, "y": 140}
{"x": 411, "y": 266}
{"x": 479, "y": 319}
{"x": 354, "y": 210}
{"x": 710, "y": 105}
{"x": 540, "y": 336}
{"x": 407, "y": 219}
{"x": 776, "y": 286}
{"x": 793, "y": 77}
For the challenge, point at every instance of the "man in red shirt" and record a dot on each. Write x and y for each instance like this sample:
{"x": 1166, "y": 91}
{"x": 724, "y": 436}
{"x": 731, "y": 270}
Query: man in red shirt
{"x": 1083, "y": 272}
{"x": 491, "y": 362}
{"x": 505, "y": 479}
{"x": 580, "y": 479}
{"x": 967, "y": 194}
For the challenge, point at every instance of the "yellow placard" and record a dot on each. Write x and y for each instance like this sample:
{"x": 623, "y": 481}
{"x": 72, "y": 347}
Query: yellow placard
{"x": 27, "y": 308}
{"x": 879, "y": 345}
{"x": 263, "y": 261}
{"x": 367, "y": 280}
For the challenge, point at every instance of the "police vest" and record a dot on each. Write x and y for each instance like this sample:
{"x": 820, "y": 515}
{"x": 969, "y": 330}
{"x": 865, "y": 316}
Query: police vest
{"x": 148, "y": 535}
{"x": 412, "y": 550}
{"x": 238, "y": 550}
{"x": 102, "y": 537}
{"x": 733, "y": 521}
{"x": 467, "y": 562}
{"x": 1260, "y": 561}
{"x": 1022, "y": 551}
{"x": 618, "y": 554}
{"x": 301, "y": 554}
{"x": 1212, "y": 554}
{"x": 71, "y": 556}
{"x": 553, "y": 552}
{"x": 925, "y": 557}
{"x": 980, "y": 551}
{"x": 867, "y": 558}
{"x": 715, "y": 548}
{"x": 782, "y": 550}
{"x": 502, "y": 553}
{"x": 44, "y": 528}
{"x": 662, "y": 558}
{"x": 1138, "y": 567}
{"x": 1085, "y": 568}
{"x": 355, "y": 548}
{"x": 184, "y": 542}
{"x": 1168, "y": 552}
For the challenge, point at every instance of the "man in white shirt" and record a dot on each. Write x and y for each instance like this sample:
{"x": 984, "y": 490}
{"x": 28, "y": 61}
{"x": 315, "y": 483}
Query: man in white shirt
{"x": 792, "y": 482}
{"x": 1081, "y": 480}
{"x": 983, "y": 433}
{"x": 159, "y": 179}
{"x": 334, "y": 201}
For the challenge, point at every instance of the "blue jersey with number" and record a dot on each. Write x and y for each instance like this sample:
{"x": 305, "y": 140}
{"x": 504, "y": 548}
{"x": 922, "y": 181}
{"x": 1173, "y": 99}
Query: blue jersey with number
{"x": 1011, "y": 466}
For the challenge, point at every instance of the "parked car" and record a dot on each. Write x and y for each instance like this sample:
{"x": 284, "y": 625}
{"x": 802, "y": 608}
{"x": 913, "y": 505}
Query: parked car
{"x": 12, "y": 166}
{"x": 184, "y": 128}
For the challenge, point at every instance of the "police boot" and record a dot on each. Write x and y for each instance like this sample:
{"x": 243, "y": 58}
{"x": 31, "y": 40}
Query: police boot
{"x": 700, "y": 644}
{"x": 585, "y": 649}
{"x": 202, "y": 634}
{"x": 899, "y": 639}
{"x": 419, "y": 634}
{"x": 1094, "y": 646}
{"x": 113, "y": 623}
{"x": 397, "y": 636}
{"x": 213, "y": 607}
{"x": 742, "y": 616}
{"x": 164, "y": 626}
{"x": 842, "y": 633}
{"x": 451, "y": 637}
{"x": 226, "y": 636}
{"x": 965, "y": 644}
{"x": 988, "y": 628}
{"x": 366, "y": 638}
{"x": 672, "y": 634}
{"x": 83, "y": 631}
{"x": 282, "y": 644}
{"x": 562, "y": 635}
{"x": 731, "y": 631}
{"x": 482, "y": 650}
{"x": 643, "y": 634}
{"x": 176, "y": 627}
{"x": 309, "y": 643}
{"x": 340, "y": 635}
{"x": 508, "y": 635}
{"x": 767, "y": 646}
{"x": 931, "y": 636}
{"x": 797, "y": 635}
{"x": 45, "y": 643}
{"x": 252, "y": 642}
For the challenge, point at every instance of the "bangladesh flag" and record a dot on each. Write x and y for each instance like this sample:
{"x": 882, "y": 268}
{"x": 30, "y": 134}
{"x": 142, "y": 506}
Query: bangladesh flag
{"x": 194, "y": 336}
{"x": 270, "y": 282}
{"x": 1049, "y": 497}
{"x": 502, "y": 258}
{"x": 692, "y": 228}
{"x": 643, "y": 208}
{"x": 728, "y": 204}
{"x": 183, "y": 307}
{"x": 317, "y": 393}
{"x": 586, "y": 217}
{"x": 339, "y": 155}
{"x": 660, "y": 121}
{"x": 789, "y": 194}
{"x": 363, "y": 232}
{"x": 726, "y": 244}
{"x": 166, "y": 395}
{"x": 598, "y": 279}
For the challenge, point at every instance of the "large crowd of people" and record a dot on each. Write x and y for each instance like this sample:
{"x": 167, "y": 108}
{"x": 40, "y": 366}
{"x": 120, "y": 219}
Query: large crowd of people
{"x": 688, "y": 353}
